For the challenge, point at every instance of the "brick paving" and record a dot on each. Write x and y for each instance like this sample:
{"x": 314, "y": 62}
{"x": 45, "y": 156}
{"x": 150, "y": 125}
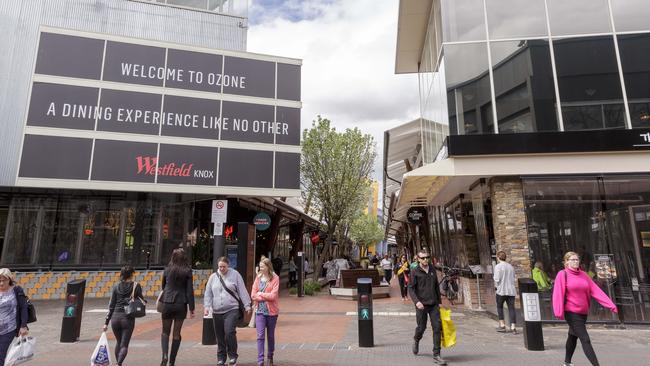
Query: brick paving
{"x": 317, "y": 331}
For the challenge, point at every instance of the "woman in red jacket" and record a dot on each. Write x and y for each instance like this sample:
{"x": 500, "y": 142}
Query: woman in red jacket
{"x": 571, "y": 296}
{"x": 265, "y": 295}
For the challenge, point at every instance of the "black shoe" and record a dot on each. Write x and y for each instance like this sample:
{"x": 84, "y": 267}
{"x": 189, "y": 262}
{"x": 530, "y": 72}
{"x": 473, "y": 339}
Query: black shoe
{"x": 164, "y": 344}
{"x": 439, "y": 360}
{"x": 176, "y": 344}
{"x": 416, "y": 347}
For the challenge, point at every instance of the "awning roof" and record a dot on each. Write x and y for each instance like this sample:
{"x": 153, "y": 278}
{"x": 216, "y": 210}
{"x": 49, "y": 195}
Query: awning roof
{"x": 411, "y": 32}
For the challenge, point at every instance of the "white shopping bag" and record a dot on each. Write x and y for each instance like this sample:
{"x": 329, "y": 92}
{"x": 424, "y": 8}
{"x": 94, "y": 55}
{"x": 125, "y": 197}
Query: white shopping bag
{"x": 102, "y": 354}
{"x": 21, "y": 350}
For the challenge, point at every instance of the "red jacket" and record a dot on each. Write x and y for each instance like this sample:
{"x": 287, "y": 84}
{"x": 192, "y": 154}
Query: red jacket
{"x": 270, "y": 294}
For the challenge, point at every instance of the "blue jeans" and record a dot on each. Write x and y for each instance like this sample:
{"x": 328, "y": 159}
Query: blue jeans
{"x": 5, "y": 342}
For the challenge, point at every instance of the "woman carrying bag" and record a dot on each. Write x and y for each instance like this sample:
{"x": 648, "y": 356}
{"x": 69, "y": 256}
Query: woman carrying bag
{"x": 226, "y": 298}
{"x": 571, "y": 296}
{"x": 13, "y": 312}
{"x": 403, "y": 277}
{"x": 176, "y": 298}
{"x": 265, "y": 295}
{"x": 122, "y": 323}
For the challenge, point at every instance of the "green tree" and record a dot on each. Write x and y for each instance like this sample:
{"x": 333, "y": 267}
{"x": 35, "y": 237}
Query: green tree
{"x": 335, "y": 172}
{"x": 366, "y": 230}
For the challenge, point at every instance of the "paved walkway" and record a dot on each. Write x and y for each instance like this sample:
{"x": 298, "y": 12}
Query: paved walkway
{"x": 319, "y": 330}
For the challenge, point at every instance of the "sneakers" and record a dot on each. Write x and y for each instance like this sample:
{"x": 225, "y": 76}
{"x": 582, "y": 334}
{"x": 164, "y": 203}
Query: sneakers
{"x": 514, "y": 331}
{"x": 568, "y": 364}
{"x": 221, "y": 363}
{"x": 502, "y": 330}
{"x": 439, "y": 360}
{"x": 233, "y": 362}
{"x": 416, "y": 347}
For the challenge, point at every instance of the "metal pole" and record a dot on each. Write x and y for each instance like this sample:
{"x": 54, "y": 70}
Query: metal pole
{"x": 478, "y": 291}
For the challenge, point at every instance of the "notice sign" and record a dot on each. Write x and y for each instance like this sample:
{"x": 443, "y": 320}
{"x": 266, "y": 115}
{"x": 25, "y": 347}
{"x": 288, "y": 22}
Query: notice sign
{"x": 219, "y": 211}
{"x": 161, "y": 114}
{"x": 531, "y": 307}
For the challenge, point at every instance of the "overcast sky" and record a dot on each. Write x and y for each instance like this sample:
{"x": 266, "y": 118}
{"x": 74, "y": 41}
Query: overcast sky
{"x": 348, "y": 53}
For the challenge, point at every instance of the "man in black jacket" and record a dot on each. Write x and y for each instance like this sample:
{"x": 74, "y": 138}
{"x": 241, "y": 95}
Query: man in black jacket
{"x": 425, "y": 293}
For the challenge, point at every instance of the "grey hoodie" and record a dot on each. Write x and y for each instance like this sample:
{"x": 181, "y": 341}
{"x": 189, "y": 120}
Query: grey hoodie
{"x": 218, "y": 299}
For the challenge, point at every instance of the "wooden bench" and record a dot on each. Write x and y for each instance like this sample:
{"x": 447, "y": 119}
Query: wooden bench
{"x": 349, "y": 277}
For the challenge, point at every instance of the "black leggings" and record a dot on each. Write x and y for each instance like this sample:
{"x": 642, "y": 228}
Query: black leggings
{"x": 402, "y": 285}
{"x": 167, "y": 327}
{"x": 122, "y": 326}
{"x": 578, "y": 329}
{"x": 510, "y": 300}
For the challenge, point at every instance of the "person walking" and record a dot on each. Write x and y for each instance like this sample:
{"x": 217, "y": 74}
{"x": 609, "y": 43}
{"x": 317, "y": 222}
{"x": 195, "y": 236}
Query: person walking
{"x": 571, "y": 297}
{"x": 330, "y": 272}
{"x": 504, "y": 281}
{"x": 425, "y": 294}
{"x": 176, "y": 298}
{"x": 264, "y": 293}
{"x": 121, "y": 323}
{"x": 293, "y": 270}
{"x": 13, "y": 312}
{"x": 223, "y": 293}
{"x": 403, "y": 277}
{"x": 387, "y": 266}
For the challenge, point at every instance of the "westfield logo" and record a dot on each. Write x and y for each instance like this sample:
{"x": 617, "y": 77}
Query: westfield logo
{"x": 149, "y": 165}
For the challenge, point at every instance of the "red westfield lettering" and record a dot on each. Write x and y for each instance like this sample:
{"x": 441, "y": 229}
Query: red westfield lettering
{"x": 149, "y": 165}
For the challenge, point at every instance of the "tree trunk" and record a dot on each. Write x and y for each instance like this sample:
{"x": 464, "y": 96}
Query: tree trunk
{"x": 324, "y": 254}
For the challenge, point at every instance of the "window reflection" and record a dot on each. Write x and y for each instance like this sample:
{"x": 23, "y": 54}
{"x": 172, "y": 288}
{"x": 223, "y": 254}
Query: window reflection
{"x": 523, "y": 86}
{"x": 463, "y": 20}
{"x": 516, "y": 18}
{"x": 636, "y": 73}
{"x": 578, "y": 17}
{"x": 589, "y": 83}
{"x": 631, "y": 15}
{"x": 468, "y": 88}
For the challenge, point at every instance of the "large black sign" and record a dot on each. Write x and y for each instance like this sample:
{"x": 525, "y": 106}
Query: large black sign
{"x": 100, "y": 87}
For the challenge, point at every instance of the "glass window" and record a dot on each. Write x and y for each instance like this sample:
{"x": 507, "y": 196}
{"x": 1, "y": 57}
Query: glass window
{"x": 59, "y": 235}
{"x": 634, "y": 49}
{"x": 468, "y": 87}
{"x": 631, "y": 15}
{"x": 21, "y": 232}
{"x": 589, "y": 83}
{"x": 523, "y": 86}
{"x": 463, "y": 20}
{"x": 516, "y": 18}
{"x": 102, "y": 222}
{"x": 578, "y": 17}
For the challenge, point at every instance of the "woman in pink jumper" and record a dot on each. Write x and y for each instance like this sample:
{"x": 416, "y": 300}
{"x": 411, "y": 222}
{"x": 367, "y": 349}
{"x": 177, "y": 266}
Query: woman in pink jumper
{"x": 571, "y": 295}
{"x": 265, "y": 295}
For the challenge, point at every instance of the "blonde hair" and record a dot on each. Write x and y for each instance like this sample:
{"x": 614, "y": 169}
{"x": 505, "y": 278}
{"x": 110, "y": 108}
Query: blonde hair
{"x": 569, "y": 255}
{"x": 268, "y": 264}
{"x": 5, "y": 272}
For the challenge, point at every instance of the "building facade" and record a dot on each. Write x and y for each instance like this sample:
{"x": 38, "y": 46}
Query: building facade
{"x": 549, "y": 137}
{"x": 123, "y": 120}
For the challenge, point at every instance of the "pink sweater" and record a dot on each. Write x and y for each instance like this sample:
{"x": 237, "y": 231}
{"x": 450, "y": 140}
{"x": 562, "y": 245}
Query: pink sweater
{"x": 270, "y": 294}
{"x": 579, "y": 289}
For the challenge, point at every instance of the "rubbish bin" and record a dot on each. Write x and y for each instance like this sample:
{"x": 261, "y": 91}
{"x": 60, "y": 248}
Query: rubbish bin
{"x": 364, "y": 296}
{"x": 73, "y": 310}
{"x": 530, "y": 305}
{"x": 208, "y": 338}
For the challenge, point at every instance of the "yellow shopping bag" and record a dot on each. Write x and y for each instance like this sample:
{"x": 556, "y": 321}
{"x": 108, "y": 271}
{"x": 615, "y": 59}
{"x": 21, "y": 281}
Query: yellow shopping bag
{"x": 448, "y": 328}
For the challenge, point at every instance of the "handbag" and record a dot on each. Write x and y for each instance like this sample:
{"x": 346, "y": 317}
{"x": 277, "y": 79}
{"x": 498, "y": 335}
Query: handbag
{"x": 31, "y": 310}
{"x": 240, "y": 323}
{"x": 160, "y": 306}
{"x": 136, "y": 307}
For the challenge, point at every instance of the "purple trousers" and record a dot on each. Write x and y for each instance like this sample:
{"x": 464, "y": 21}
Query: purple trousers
{"x": 265, "y": 325}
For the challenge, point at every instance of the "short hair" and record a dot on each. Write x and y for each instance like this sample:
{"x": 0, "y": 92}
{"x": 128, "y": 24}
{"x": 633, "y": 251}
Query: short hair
{"x": 501, "y": 255}
{"x": 126, "y": 272}
{"x": 6, "y": 272}
{"x": 223, "y": 259}
{"x": 423, "y": 251}
{"x": 569, "y": 255}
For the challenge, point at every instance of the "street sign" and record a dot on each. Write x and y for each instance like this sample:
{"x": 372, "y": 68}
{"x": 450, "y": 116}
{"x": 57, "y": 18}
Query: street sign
{"x": 218, "y": 228}
{"x": 262, "y": 221}
{"x": 531, "y": 307}
{"x": 219, "y": 210}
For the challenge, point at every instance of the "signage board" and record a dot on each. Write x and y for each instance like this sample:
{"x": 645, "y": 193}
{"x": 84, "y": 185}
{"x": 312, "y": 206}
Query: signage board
{"x": 531, "y": 307}
{"x": 168, "y": 116}
{"x": 415, "y": 215}
{"x": 219, "y": 211}
{"x": 262, "y": 221}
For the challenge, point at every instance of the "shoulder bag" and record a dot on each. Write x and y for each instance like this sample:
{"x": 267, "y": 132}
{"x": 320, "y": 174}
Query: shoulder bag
{"x": 240, "y": 323}
{"x": 31, "y": 310}
{"x": 136, "y": 307}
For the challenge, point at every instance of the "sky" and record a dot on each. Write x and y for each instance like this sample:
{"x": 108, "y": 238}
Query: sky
{"x": 348, "y": 54}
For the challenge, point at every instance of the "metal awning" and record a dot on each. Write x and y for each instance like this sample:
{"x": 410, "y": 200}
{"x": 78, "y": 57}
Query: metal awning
{"x": 412, "y": 24}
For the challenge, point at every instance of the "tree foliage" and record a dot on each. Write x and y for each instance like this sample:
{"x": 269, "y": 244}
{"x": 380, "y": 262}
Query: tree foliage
{"x": 335, "y": 172}
{"x": 366, "y": 230}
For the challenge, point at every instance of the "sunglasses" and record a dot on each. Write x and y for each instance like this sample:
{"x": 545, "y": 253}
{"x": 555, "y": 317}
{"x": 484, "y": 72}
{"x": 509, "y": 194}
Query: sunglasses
{"x": 424, "y": 257}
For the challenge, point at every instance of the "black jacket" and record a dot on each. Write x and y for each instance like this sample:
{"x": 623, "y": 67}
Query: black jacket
{"x": 423, "y": 286}
{"x": 21, "y": 314}
{"x": 178, "y": 289}
{"x": 120, "y": 297}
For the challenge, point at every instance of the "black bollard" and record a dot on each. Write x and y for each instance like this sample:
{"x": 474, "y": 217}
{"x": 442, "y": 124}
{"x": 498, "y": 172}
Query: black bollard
{"x": 74, "y": 306}
{"x": 530, "y": 305}
{"x": 364, "y": 297}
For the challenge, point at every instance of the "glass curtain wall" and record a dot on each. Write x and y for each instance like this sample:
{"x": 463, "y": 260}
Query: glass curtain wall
{"x": 499, "y": 57}
{"x": 604, "y": 220}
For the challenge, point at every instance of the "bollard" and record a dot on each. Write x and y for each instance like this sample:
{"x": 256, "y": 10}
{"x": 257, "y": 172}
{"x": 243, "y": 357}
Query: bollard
{"x": 208, "y": 338}
{"x": 301, "y": 274}
{"x": 533, "y": 335}
{"x": 73, "y": 310}
{"x": 364, "y": 297}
